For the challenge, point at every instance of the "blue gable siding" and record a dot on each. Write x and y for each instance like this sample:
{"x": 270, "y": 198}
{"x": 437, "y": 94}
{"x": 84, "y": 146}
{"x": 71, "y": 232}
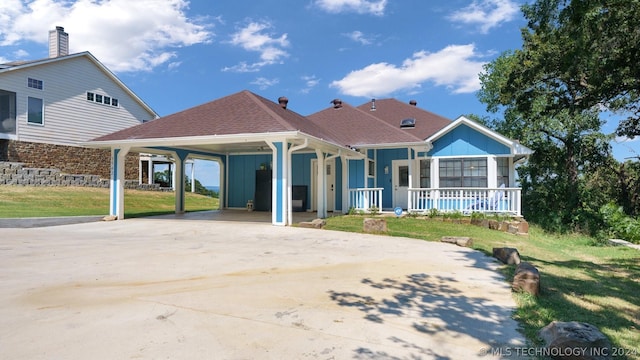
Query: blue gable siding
{"x": 463, "y": 141}
{"x": 242, "y": 175}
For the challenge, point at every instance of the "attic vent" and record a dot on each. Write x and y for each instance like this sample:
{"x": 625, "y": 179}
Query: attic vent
{"x": 408, "y": 123}
{"x": 337, "y": 103}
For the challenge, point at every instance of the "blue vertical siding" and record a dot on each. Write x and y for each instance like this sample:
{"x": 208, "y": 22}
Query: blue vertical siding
{"x": 356, "y": 174}
{"x": 385, "y": 181}
{"x": 242, "y": 175}
{"x": 465, "y": 141}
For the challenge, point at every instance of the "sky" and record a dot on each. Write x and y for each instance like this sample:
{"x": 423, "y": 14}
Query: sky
{"x": 176, "y": 54}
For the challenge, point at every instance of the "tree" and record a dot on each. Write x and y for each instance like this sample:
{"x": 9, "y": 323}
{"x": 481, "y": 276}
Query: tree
{"x": 567, "y": 141}
{"x": 580, "y": 55}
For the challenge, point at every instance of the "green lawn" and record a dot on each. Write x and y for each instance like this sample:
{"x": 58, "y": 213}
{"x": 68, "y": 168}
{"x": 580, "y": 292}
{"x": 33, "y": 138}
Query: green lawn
{"x": 581, "y": 280}
{"x": 23, "y": 201}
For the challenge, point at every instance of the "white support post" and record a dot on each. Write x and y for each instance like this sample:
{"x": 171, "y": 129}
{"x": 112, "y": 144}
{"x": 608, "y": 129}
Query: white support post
{"x": 410, "y": 168}
{"x": 321, "y": 190}
{"x": 178, "y": 183}
{"x": 345, "y": 184}
{"x": 116, "y": 184}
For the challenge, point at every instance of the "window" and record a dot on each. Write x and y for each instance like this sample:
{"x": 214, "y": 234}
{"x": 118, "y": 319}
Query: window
{"x": 7, "y": 112}
{"x": 372, "y": 168}
{"x": 35, "y": 111}
{"x": 33, "y": 83}
{"x": 425, "y": 174}
{"x": 102, "y": 99}
{"x": 463, "y": 172}
{"x": 503, "y": 171}
{"x": 403, "y": 176}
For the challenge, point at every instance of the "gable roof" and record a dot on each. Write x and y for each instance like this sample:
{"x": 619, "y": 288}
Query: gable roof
{"x": 19, "y": 65}
{"x": 393, "y": 111}
{"x": 515, "y": 146}
{"x": 354, "y": 127}
{"x": 240, "y": 113}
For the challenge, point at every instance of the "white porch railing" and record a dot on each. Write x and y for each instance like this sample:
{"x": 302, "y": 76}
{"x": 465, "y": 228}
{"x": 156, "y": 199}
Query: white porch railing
{"x": 466, "y": 200}
{"x": 365, "y": 198}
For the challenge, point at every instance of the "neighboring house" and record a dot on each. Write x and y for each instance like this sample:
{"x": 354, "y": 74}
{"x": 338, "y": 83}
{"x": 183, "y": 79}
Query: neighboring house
{"x": 49, "y": 107}
{"x": 384, "y": 155}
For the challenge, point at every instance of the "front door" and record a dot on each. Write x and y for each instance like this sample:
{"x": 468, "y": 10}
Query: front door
{"x": 330, "y": 182}
{"x": 400, "y": 183}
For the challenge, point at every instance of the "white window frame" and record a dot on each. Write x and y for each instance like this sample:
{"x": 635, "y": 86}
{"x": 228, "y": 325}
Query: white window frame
{"x": 41, "y": 123}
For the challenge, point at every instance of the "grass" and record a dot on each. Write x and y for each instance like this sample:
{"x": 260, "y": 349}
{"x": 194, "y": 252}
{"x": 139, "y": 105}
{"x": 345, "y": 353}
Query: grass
{"x": 580, "y": 279}
{"x": 18, "y": 201}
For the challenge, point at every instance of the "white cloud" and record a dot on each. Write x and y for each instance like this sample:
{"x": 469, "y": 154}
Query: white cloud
{"x": 264, "y": 83}
{"x": 453, "y": 67}
{"x": 486, "y": 14}
{"x": 358, "y": 36}
{"x": 254, "y": 38}
{"x": 310, "y": 83}
{"x": 358, "y": 6}
{"x": 124, "y": 35}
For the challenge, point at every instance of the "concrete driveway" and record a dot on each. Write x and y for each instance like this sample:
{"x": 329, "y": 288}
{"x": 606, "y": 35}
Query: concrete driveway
{"x": 166, "y": 288}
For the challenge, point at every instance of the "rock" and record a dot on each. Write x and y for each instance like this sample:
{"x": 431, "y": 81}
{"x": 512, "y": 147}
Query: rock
{"x": 110, "y": 218}
{"x": 527, "y": 279}
{"x": 314, "y": 224}
{"x": 575, "y": 340}
{"x": 509, "y": 256}
{"x": 371, "y": 225}
{"x": 463, "y": 241}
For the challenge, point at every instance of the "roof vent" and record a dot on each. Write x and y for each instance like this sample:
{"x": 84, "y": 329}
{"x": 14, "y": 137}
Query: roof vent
{"x": 413, "y": 102}
{"x": 408, "y": 123}
{"x": 337, "y": 103}
{"x": 58, "y": 42}
{"x": 283, "y": 101}
{"x": 373, "y": 105}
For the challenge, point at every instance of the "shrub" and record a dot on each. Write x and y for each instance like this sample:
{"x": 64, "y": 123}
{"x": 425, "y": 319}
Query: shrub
{"x": 620, "y": 225}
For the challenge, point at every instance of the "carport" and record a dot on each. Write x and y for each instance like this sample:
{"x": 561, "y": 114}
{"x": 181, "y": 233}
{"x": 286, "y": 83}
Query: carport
{"x": 242, "y": 123}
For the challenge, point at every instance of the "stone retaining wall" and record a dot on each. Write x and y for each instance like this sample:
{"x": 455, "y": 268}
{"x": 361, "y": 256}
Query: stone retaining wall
{"x": 12, "y": 173}
{"x": 67, "y": 159}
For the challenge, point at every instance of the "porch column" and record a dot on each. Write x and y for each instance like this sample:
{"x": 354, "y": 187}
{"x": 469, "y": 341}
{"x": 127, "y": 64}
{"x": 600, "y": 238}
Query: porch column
{"x": 410, "y": 168}
{"x": 492, "y": 172}
{"x": 178, "y": 183}
{"x": 279, "y": 183}
{"x": 345, "y": 184}
{"x": 116, "y": 184}
{"x": 321, "y": 188}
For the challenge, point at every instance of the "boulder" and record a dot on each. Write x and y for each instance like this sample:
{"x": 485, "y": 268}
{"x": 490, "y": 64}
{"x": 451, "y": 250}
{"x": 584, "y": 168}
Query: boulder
{"x": 463, "y": 241}
{"x": 509, "y": 256}
{"x": 575, "y": 340}
{"x": 314, "y": 224}
{"x": 377, "y": 225}
{"x": 527, "y": 279}
{"x": 110, "y": 218}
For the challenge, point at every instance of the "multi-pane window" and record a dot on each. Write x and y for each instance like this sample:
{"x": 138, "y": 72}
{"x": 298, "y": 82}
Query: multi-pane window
{"x": 34, "y": 83}
{"x": 503, "y": 171}
{"x": 102, "y": 99}
{"x": 35, "y": 111}
{"x": 466, "y": 172}
{"x": 425, "y": 174}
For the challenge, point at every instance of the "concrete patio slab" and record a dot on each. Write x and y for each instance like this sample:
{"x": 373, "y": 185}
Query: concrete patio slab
{"x": 191, "y": 288}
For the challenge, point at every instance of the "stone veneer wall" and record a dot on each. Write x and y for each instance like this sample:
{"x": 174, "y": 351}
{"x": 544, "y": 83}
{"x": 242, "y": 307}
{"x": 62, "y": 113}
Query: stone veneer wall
{"x": 66, "y": 159}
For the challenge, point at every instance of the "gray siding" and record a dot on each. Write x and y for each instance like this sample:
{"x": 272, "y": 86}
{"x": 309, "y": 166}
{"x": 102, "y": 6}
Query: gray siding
{"x": 69, "y": 118}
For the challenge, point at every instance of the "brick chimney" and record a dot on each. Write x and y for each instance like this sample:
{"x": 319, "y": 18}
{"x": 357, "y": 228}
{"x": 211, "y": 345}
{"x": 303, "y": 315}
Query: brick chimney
{"x": 58, "y": 42}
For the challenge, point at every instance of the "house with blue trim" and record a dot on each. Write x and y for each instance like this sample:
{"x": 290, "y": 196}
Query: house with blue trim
{"x": 384, "y": 155}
